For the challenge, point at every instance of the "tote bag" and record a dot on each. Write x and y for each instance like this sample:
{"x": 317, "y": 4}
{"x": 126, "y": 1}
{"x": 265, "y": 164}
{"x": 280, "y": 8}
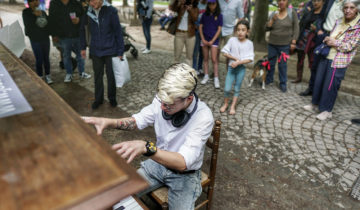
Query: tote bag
{"x": 121, "y": 71}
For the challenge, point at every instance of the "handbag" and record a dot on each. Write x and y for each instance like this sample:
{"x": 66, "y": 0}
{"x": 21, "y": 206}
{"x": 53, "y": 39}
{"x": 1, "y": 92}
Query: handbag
{"x": 322, "y": 50}
{"x": 121, "y": 71}
{"x": 171, "y": 29}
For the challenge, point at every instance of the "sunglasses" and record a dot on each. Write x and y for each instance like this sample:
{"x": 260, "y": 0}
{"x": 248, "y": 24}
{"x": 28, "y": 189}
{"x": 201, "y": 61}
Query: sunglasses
{"x": 169, "y": 106}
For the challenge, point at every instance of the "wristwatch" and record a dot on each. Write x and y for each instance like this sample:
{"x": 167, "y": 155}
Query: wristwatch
{"x": 150, "y": 148}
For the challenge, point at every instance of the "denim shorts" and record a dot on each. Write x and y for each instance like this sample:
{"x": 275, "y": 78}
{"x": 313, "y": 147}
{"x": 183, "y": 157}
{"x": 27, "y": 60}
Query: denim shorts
{"x": 184, "y": 189}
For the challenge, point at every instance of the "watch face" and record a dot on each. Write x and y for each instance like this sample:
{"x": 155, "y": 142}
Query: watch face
{"x": 150, "y": 148}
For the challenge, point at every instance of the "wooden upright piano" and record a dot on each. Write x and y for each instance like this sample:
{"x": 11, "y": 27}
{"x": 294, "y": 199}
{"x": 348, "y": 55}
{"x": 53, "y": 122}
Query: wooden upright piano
{"x": 51, "y": 159}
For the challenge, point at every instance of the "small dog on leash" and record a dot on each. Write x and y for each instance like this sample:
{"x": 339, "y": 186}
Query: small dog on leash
{"x": 260, "y": 69}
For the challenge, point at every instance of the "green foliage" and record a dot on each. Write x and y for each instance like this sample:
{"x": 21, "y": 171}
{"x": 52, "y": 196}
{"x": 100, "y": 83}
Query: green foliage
{"x": 295, "y": 3}
{"x": 161, "y": 2}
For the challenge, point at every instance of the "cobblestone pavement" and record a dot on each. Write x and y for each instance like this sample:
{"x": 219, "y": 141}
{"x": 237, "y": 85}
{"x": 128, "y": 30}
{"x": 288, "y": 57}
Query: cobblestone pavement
{"x": 270, "y": 130}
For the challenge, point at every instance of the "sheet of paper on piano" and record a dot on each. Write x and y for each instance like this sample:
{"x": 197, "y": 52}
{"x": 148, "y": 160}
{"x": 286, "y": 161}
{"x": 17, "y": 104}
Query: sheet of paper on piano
{"x": 12, "y": 101}
{"x": 128, "y": 203}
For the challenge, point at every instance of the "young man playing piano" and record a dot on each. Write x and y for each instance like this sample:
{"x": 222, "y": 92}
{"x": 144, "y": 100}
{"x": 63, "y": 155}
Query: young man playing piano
{"x": 182, "y": 125}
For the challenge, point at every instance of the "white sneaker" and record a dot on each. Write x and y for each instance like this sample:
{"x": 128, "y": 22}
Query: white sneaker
{"x": 146, "y": 51}
{"x": 216, "y": 82}
{"x": 85, "y": 75}
{"x": 48, "y": 79}
{"x": 205, "y": 79}
{"x": 324, "y": 115}
{"x": 142, "y": 49}
{"x": 310, "y": 107}
{"x": 200, "y": 71}
{"x": 68, "y": 78}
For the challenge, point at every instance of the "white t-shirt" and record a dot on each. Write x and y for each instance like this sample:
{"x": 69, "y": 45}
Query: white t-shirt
{"x": 231, "y": 10}
{"x": 334, "y": 14}
{"x": 240, "y": 50}
{"x": 188, "y": 140}
{"x": 183, "y": 25}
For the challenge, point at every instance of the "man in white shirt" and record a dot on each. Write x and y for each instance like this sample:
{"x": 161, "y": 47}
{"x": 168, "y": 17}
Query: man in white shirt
{"x": 182, "y": 125}
{"x": 232, "y": 11}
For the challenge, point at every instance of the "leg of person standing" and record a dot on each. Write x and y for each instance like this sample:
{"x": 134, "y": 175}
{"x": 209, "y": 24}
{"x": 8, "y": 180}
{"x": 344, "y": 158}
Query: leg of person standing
{"x": 179, "y": 43}
{"x": 229, "y": 80}
{"x": 282, "y": 65}
{"x": 45, "y": 45}
{"x": 79, "y": 59}
{"x": 66, "y": 45}
{"x": 200, "y": 61}
{"x": 189, "y": 45}
{"x": 331, "y": 86}
{"x": 39, "y": 58}
{"x": 272, "y": 54}
{"x": 98, "y": 67}
{"x": 205, "y": 50}
{"x": 196, "y": 52}
{"x": 215, "y": 64}
{"x": 299, "y": 66}
{"x": 111, "y": 85}
{"x": 146, "y": 24}
{"x": 323, "y": 67}
{"x": 240, "y": 73}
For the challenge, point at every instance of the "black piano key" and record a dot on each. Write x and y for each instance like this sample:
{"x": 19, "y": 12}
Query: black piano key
{"x": 120, "y": 208}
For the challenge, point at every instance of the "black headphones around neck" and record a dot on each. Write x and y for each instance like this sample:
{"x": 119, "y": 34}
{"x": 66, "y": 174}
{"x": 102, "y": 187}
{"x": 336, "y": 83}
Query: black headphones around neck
{"x": 182, "y": 117}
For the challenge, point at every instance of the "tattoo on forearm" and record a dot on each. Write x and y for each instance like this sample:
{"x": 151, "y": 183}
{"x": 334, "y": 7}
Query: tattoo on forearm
{"x": 126, "y": 124}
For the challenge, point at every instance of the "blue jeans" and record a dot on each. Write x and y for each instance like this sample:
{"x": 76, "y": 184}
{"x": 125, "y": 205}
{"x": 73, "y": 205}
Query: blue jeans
{"x": 146, "y": 23}
{"x": 164, "y": 20}
{"x": 319, "y": 39}
{"x": 274, "y": 52}
{"x": 322, "y": 96}
{"x": 68, "y": 45}
{"x": 41, "y": 51}
{"x": 184, "y": 189}
{"x": 198, "y": 54}
{"x": 234, "y": 74}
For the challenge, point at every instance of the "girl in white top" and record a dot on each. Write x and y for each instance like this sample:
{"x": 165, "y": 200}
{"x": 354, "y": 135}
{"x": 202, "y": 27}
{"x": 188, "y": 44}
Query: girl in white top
{"x": 239, "y": 50}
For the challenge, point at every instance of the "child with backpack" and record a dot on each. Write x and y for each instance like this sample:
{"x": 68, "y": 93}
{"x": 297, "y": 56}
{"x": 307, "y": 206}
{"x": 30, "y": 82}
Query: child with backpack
{"x": 210, "y": 29}
{"x": 239, "y": 50}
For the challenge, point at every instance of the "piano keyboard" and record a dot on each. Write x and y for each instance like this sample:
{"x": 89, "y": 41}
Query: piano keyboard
{"x": 128, "y": 203}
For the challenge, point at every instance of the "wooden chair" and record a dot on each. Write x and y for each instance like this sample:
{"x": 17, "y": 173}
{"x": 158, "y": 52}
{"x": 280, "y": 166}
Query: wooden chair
{"x": 207, "y": 180}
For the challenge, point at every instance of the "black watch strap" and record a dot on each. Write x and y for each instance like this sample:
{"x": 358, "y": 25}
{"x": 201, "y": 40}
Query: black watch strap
{"x": 150, "y": 148}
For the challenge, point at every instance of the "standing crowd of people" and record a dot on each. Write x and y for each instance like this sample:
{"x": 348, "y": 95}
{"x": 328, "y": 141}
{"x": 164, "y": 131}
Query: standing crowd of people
{"x": 205, "y": 28}
{"x": 71, "y": 24}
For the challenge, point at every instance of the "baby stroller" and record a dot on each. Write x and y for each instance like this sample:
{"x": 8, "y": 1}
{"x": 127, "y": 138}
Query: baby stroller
{"x": 127, "y": 43}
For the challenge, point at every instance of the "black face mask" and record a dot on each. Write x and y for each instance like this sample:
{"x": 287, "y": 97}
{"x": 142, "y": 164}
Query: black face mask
{"x": 182, "y": 117}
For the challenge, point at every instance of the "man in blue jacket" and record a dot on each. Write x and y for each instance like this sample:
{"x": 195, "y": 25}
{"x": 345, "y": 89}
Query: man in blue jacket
{"x": 106, "y": 42}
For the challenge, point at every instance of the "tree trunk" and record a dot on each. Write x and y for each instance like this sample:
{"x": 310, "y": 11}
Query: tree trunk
{"x": 259, "y": 20}
{"x": 125, "y": 3}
